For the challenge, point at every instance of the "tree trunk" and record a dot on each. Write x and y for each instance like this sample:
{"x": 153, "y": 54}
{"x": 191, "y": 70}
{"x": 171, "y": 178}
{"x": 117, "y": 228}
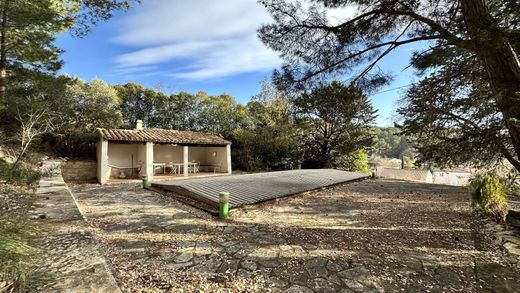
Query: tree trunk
{"x": 3, "y": 52}
{"x": 501, "y": 63}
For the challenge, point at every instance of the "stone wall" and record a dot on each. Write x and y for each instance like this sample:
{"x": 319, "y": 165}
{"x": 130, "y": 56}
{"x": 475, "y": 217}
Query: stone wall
{"x": 79, "y": 170}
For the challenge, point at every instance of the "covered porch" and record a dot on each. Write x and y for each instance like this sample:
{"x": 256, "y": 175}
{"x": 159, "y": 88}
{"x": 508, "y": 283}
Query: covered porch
{"x": 166, "y": 155}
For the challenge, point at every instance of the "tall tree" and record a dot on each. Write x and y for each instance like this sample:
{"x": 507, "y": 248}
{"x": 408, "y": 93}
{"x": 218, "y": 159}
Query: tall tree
{"x": 391, "y": 143}
{"x": 140, "y": 103}
{"x": 94, "y": 104}
{"x": 453, "y": 117}
{"x": 269, "y": 139}
{"x": 187, "y": 110}
{"x": 337, "y": 121}
{"x": 28, "y": 30}
{"x": 485, "y": 31}
{"x": 220, "y": 114}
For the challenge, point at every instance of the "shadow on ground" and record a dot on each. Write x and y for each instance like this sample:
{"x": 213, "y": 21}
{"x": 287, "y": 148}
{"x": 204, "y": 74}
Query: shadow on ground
{"x": 370, "y": 236}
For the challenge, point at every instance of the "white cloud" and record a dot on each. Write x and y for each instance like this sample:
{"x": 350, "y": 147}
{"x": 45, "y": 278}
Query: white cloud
{"x": 197, "y": 39}
{"x": 171, "y": 21}
{"x": 210, "y": 38}
{"x": 231, "y": 57}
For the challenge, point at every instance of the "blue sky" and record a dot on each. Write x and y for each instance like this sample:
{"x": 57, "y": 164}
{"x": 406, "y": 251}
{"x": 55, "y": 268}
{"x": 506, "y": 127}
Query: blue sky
{"x": 197, "y": 45}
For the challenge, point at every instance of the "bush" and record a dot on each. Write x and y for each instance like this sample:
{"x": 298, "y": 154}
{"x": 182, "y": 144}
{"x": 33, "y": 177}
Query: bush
{"x": 73, "y": 145}
{"x": 355, "y": 162}
{"x": 489, "y": 196}
{"x": 21, "y": 175}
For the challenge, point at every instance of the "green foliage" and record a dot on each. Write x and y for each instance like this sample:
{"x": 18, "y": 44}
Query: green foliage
{"x": 390, "y": 143}
{"x": 20, "y": 175}
{"x": 464, "y": 106}
{"x": 140, "y": 103}
{"x": 336, "y": 122}
{"x": 94, "y": 104}
{"x": 489, "y": 195}
{"x": 355, "y": 162}
{"x": 220, "y": 114}
{"x": 29, "y": 29}
{"x": 16, "y": 254}
{"x": 73, "y": 144}
{"x": 269, "y": 138}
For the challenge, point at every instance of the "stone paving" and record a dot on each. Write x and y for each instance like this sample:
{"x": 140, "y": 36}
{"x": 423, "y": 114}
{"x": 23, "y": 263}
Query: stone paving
{"x": 71, "y": 260}
{"x": 370, "y": 236}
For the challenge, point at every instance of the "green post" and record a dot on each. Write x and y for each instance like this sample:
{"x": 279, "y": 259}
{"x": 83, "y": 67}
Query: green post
{"x": 146, "y": 183}
{"x": 223, "y": 205}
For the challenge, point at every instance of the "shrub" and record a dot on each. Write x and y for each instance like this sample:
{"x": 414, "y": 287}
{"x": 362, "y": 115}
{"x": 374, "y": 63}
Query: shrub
{"x": 73, "y": 144}
{"x": 489, "y": 195}
{"x": 21, "y": 175}
{"x": 355, "y": 162}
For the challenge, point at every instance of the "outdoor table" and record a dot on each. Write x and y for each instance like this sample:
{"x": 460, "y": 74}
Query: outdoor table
{"x": 163, "y": 165}
{"x": 179, "y": 167}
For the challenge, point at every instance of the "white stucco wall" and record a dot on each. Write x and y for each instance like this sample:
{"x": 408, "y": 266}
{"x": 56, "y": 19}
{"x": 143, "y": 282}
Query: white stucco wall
{"x": 102, "y": 161}
{"x": 167, "y": 153}
{"x": 120, "y": 154}
{"x": 220, "y": 158}
{"x": 451, "y": 178}
{"x": 197, "y": 154}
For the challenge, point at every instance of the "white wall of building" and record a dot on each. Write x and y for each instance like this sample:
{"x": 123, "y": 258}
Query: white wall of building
{"x": 120, "y": 154}
{"x": 164, "y": 153}
{"x": 451, "y": 178}
{"x": 220, "y": 157}
{"x": 197, "y": 154}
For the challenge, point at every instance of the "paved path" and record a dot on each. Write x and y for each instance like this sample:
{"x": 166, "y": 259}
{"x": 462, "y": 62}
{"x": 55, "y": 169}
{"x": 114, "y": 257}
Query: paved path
{"x": 72, "y": 261}
{"x": 369, "y": 236}
{"x": 259, "y": 187}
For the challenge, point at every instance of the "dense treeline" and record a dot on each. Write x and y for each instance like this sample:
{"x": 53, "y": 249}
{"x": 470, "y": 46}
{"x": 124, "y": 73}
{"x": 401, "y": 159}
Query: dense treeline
{"x": 328, "y": 127}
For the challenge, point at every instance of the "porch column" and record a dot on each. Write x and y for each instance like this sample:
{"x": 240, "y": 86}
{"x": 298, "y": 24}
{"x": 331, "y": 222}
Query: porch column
{"x": 185, "y": 160}
{"x": 148, "y": 160}
{"x": 102, "y": 161}
{"x": 228, "y": 158}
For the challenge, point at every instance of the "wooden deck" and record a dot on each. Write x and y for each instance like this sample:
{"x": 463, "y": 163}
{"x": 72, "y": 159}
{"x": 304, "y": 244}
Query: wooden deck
{"x": 259, "y": 187}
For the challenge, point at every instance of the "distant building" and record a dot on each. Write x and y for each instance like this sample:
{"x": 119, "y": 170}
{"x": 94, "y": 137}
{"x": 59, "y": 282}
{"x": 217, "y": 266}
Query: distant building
{"x": 457, "y": 177}
{"x": 406, "y": 174}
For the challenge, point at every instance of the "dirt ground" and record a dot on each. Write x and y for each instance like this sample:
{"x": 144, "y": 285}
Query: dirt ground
{"x": 367, "y": 236}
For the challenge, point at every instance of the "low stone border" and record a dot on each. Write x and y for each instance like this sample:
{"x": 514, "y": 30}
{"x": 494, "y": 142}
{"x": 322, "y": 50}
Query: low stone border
{"x": 510, "y": 240}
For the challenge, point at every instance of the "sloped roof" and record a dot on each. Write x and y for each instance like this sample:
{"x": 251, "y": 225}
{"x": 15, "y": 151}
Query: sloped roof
{"x": 157, "y": 135}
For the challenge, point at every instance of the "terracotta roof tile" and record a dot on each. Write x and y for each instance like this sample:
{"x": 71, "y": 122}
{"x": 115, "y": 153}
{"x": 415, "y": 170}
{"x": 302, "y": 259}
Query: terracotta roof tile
{"x": 157, "y": 135}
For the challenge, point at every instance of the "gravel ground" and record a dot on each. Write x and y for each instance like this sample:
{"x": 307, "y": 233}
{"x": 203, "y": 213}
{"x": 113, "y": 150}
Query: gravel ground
{"x": 368, "y": 236}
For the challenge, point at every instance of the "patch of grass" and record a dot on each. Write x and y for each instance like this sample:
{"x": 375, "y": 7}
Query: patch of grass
{"x": 489, "y": 195}
{"x": 20, "y": 175}
{"x": 16, "y": 255}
